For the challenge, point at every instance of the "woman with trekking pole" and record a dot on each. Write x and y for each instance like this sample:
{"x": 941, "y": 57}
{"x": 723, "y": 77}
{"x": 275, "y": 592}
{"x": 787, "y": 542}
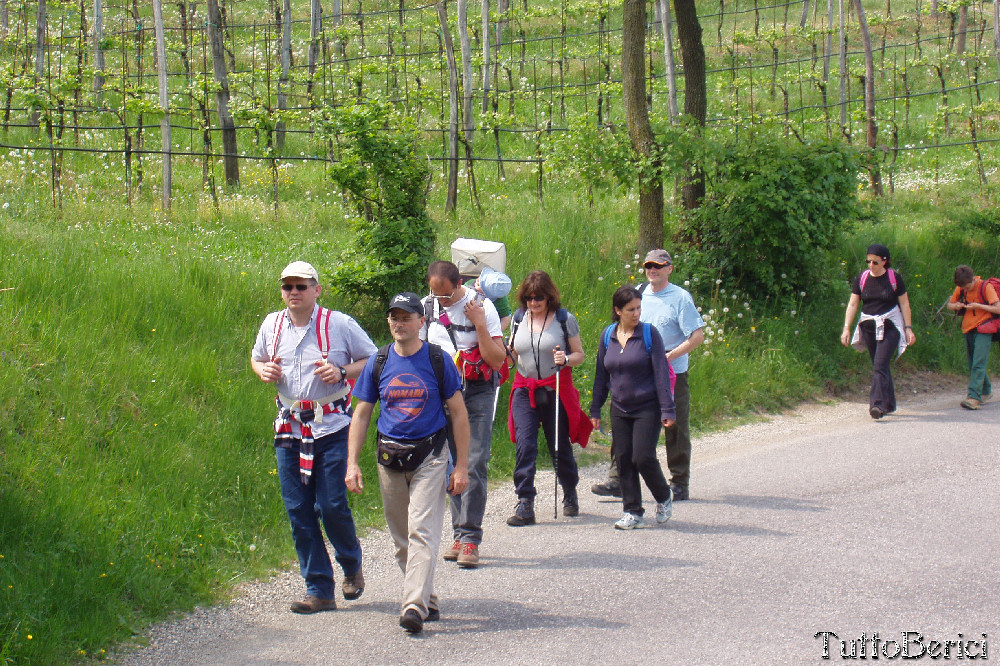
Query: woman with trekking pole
{"x": 632, "y": 366}
{"x": 545, "y": 344}
{"x": 885, "y": 327}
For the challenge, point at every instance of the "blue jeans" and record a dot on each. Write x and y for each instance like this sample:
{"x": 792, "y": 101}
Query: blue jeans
{"x": 526, "y": 423}
{"x": 468, "y": 509}
{"x": 325, "y": 498}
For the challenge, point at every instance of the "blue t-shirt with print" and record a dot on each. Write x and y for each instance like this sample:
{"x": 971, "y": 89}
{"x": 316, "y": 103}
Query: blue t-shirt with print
{"x": 673, "y": 313}
{"x": 411, "y": 399}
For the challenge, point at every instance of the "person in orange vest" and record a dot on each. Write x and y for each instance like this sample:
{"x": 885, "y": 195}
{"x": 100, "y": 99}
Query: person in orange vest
{"x": 979, "y": 300}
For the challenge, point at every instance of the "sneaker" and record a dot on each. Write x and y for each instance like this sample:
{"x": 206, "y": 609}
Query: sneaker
{"x": 607, "y": 489}
{"x": 469, "y": 557}
{"x": 571, "y": 504}
{"x": 876, "y": 413}
{"x": 971, "y": 403}
{"x": 313, "y": 604}
{"x": 410, "y": 620}
{"x": 452, "y": 553}
{"x": 353, "y": 585}
{"x": 433, "y": 615}
{"x": 665, "y": 509}
{"x": 629, "y": 521}
{"x": 678, "y": 493}
{"x": 524, "y": 514}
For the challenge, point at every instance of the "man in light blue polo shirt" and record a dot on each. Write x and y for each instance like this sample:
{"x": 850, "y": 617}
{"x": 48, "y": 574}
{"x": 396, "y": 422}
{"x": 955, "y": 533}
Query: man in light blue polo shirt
{"x": 672, "y": 311}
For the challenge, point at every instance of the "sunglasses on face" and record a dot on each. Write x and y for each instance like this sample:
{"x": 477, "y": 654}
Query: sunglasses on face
{"x": 296, "y": 287}
{"x": 873, "y": 262}
{"x": 653, "y": 265}
{"x": 535, "y": 297}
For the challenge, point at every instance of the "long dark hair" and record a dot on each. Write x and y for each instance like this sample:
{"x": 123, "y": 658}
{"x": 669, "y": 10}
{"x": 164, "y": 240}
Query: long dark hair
{"x": 622, "y": 297}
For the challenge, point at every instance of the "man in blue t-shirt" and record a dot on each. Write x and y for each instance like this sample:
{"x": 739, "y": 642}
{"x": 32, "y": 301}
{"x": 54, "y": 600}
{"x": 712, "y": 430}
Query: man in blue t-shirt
{"x": 672, "y": 311}
{"x": 413, "y": 412}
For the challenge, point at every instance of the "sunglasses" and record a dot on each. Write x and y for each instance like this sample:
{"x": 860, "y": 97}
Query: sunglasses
{"x": 446, "y": 296}
{"x": 873, "y": 262}
{"x": 651, "y": 264}
{"x": 296, "y": 287}
{"x": 535, "y": 297}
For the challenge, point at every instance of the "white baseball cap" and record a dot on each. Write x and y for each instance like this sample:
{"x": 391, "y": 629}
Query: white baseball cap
{"x": 300, "y": 269}
{"x": 494, "y": 283}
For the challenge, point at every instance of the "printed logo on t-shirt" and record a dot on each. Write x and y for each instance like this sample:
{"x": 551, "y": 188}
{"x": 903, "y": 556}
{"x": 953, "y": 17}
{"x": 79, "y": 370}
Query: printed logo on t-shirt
{"x": 405, "y": 397}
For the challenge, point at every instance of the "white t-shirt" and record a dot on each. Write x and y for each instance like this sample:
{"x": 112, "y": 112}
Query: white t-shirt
{"x": 462, "y": 328}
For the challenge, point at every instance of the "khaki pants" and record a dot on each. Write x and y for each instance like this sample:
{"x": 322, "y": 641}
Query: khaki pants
{"x": 414, "y": 513}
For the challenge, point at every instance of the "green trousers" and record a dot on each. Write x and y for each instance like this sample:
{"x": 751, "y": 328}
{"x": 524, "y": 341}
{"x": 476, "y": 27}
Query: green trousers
{"x": 977, "y": 346}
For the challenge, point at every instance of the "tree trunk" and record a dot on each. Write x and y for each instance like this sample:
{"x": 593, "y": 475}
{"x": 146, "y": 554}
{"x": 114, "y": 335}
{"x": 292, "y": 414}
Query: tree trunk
{"x": 866, "y": 38}
{"x": 229, "y": 147}
{"x": 4, "y": 19}
{"x": 695, "y": 89}
{"x": 451, "y": 199}
{"x": 996, "y": 34}
{"x": 161, "y": 66}
{"x": 843, "y": 74}
{"x": 805, "y": 14}
{"x": 639, "y": 129}
{"x": 286, "y": 63}
{"x": 98, "y": 50}
{"x": 960, "y": 32}
{"x": 668, "y": 58}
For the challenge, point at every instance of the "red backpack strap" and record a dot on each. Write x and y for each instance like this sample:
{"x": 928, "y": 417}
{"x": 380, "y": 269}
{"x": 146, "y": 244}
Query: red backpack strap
{"x": 278, "y": 325}
{"x": 323, "y": 331}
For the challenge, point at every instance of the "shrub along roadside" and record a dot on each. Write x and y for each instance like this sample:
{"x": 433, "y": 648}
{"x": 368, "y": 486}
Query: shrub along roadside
{"x": 135, "y": 462}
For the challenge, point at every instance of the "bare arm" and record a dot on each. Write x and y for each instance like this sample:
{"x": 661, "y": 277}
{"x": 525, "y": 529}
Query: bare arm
{"x": 268, "y": 371}
{"x": 355, "y": 442}
{"x": 460, "y": 431}
{"x": 904, "y": 307}
{"x": 852, "y": 309}
{"x": 688, "y": 345}
{"x": 575, "y": 357}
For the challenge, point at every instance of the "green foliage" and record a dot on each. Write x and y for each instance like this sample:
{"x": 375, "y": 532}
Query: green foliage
{"x": 386, "y": 181}
{"x": 773, "y": 212}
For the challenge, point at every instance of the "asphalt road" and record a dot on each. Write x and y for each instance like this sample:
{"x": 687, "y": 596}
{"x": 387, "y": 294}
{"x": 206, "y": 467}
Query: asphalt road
{"x": 818, "y": 521}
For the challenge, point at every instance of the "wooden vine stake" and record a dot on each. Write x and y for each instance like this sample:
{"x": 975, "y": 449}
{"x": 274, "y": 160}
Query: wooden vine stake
{"x": 451, "y": 200}
{"x": 161, "y": 70}
{"x": 98, "y": 49}
{"x": 229, "y": 148}
{"x": 872, "y": 126}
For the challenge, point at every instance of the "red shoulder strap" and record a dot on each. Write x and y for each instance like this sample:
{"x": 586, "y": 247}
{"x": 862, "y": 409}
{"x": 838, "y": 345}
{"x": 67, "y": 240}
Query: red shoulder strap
{"x": 323, "y": 331}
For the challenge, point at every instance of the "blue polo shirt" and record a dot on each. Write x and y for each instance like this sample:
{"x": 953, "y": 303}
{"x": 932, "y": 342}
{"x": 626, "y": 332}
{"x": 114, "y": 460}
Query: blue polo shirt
{"x": 673, "y": 313}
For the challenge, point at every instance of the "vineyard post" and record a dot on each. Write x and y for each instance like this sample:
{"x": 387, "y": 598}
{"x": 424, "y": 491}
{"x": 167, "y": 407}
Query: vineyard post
{"x": 468, "y": 118}
{"x": 98, "y": 48}
{"x": 486, "y": 55}
{"x": 962, "y": 30}
{"x": 843, "y": 72}
{"x": 229, "y": 147}
{"x": 40, "y": 18}
{"x": 4, "y": 19}
{"x": 872, "y": 126}
{"x": 161, "y": 66}
{"x": 315, "y": 26}
{"x": 996, "y": 33}
{"x": 668, "y": 58}
{"x": 451, "y": 199}
{"x": 286, "y": 63}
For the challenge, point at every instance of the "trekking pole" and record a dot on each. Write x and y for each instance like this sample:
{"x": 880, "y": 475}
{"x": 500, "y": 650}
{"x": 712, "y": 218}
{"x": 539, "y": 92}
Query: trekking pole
{"x": 555, "y": 458}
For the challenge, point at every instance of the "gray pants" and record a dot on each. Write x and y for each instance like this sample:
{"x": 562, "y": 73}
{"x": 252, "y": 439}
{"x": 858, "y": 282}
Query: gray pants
{"x": 414, "y": 510}
{"x": 467, "y": 511}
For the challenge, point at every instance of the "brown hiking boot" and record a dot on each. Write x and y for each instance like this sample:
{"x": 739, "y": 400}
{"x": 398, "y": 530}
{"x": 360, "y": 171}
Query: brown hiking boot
{"x": 452, "y": 553}
{"x": 353, "y": 585}
{"x": 313, "y": 604}
{"x": 971, "y": 403}
{"x": 469, "y": 557}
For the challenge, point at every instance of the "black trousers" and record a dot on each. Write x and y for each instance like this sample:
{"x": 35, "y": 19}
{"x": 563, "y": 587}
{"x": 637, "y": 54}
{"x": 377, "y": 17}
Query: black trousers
{"x": 883, "y": 394}
{"x": 633, "y": 444}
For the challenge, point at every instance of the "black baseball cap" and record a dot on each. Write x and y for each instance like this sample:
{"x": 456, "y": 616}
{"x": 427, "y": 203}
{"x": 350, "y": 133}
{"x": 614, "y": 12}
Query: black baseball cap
{"x": 407, "y": 301}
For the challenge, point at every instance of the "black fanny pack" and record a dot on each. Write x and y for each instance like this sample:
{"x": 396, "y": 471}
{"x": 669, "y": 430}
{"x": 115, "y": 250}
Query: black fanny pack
{"x": 405, "y": 455}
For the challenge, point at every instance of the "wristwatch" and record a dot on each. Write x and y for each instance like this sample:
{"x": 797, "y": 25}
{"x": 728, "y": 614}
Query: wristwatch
{"x": 343, "y": 372}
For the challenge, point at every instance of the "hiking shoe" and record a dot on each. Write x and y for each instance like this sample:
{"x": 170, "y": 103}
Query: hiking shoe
{"x": 629, "y": 521}
{"x": 665, "y": 509}
{"x": 313, "y": 604}
{"x": 469, "y": 557}
{"x": 410, "y": 620}
{"x": 571, "y": 503}
{"x": 971, "y": 403}
{"x": 607, "y": 489}
{"x": 678, "y": 493}
{"x": 876, "y": 413}
{"x": 985, "y": 397}
{"x": 524, "y": 514}
{"x": 353, "y": 585}
{"x": 452, "y": 553}
{"x": 433, "y": 615}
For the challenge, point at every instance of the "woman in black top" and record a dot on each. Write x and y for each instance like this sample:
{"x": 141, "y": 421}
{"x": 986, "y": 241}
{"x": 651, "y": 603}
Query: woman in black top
{"x": 638, "y": 379}
{"x": 885, "y": 325}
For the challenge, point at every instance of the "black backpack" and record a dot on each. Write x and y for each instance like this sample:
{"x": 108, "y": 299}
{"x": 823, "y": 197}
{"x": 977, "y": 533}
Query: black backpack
{"x": 437, "y": 362}
{"x": 562, "y": 314}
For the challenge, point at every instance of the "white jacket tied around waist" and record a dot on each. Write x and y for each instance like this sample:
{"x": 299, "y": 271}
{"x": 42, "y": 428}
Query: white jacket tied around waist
{"x": 894, "y": 315}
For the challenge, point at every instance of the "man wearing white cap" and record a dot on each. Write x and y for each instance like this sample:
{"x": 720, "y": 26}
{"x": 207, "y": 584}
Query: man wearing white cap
{"x": 309, "y": 352}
